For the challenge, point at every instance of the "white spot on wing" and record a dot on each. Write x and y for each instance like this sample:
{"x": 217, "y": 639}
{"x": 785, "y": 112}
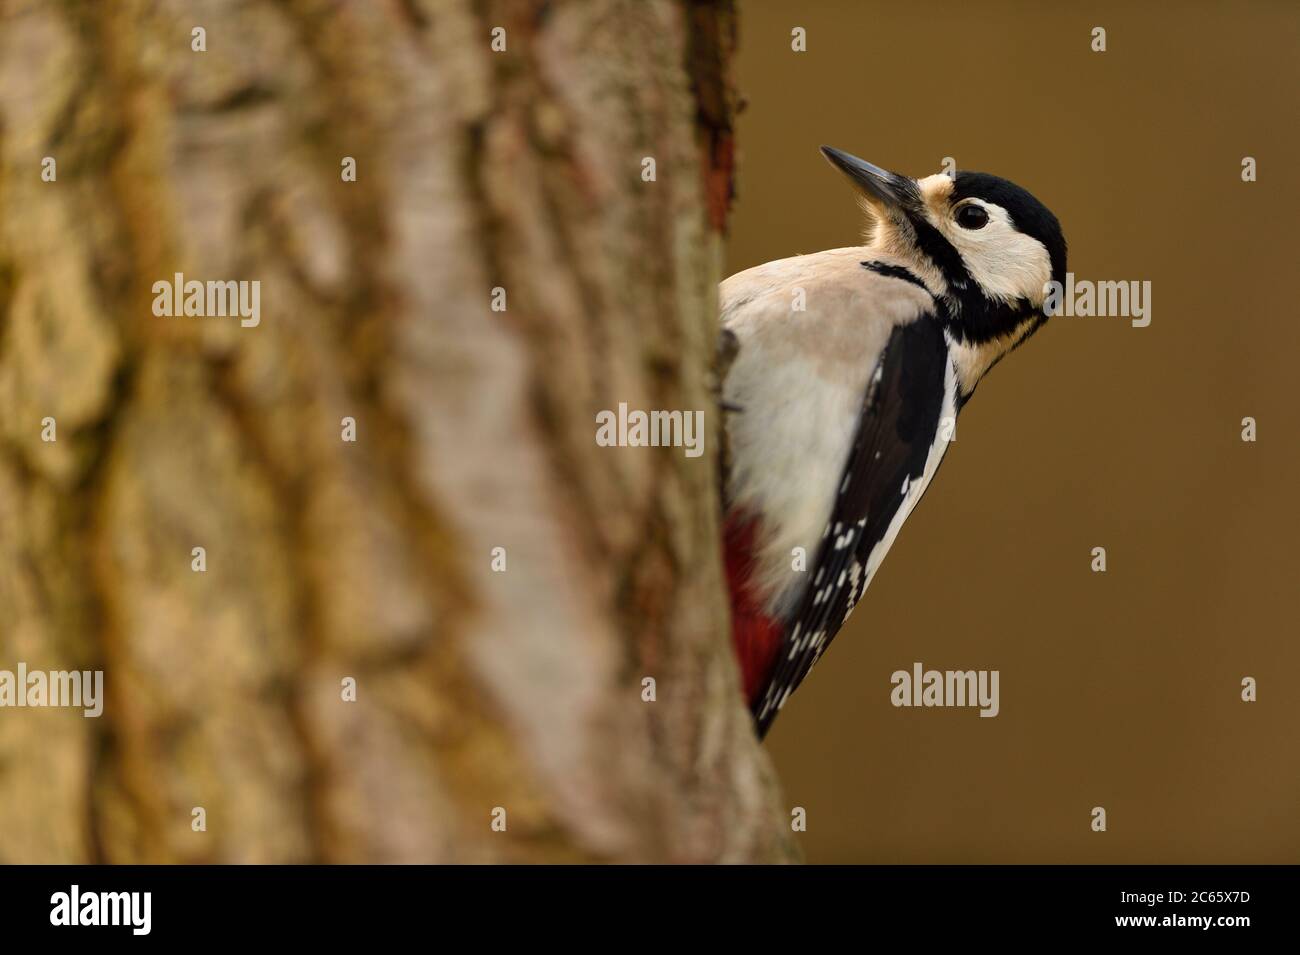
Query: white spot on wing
{"x": 917, "y": 487}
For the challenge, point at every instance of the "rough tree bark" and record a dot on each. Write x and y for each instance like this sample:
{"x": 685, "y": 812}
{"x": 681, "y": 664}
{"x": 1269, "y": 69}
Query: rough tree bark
{"x": 475, "y": 430}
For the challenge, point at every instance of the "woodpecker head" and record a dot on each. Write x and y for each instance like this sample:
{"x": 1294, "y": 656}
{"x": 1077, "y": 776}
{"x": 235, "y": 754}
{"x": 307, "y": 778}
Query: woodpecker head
{"x": 984, "y": 246}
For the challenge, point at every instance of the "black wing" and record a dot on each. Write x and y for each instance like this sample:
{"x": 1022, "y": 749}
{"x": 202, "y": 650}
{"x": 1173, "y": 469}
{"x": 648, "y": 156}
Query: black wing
{"x": 896, "y": 428}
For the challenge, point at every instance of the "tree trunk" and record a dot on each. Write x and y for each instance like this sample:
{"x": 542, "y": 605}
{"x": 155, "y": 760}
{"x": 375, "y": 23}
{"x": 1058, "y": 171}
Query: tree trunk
{"x": 477, "y": 689}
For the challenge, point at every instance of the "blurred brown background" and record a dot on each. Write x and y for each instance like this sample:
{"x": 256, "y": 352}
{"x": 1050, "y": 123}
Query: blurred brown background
{"x": 1120, "y": 689}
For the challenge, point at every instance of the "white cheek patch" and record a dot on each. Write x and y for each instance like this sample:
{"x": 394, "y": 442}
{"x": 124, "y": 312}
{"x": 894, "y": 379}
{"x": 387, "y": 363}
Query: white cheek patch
{"x": 1006, "y": 263}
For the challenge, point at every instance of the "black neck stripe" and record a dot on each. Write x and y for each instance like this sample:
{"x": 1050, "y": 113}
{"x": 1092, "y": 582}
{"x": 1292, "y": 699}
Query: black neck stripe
{"x": 895, "y": 272}
{"x": 970, "y": 314}
{"x": 940, "y": 251}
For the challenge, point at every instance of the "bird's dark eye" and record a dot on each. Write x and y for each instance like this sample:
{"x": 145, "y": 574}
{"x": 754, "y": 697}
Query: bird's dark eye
{"x": 972, "y": 216}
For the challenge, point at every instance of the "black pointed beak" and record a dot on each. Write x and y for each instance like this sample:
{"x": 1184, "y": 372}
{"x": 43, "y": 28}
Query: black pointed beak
{"x": 896, "y": 191}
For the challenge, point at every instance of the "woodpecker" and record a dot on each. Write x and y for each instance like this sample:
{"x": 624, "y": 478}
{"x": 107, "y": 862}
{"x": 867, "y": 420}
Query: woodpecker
{"x": 839, "y": 413}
